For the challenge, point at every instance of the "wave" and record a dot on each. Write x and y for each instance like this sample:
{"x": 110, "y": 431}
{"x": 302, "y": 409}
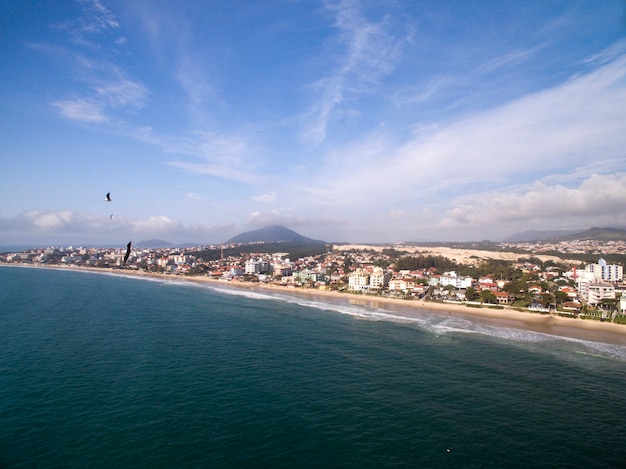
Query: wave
{"x": 430, "y": 322}
{"x": 443, "y": 325}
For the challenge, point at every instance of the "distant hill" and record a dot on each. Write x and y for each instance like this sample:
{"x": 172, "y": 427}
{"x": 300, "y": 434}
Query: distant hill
{"x": 153, "y": 243}
{"x": 599, "y": 234}
{"x": 538, "y": 235}
{"x": 272, "y": 234}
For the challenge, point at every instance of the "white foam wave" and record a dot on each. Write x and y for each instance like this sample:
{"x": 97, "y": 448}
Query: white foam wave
{"x": 245, "y": 293}
{"x": 443, "y": 325}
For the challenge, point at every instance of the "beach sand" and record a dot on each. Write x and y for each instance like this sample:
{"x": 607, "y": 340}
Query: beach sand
{"x": 584, "y": 329}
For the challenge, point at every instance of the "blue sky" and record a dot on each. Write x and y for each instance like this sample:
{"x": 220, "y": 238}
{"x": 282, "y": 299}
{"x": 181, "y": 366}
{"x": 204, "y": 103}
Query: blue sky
{"x": 361, "y": 121}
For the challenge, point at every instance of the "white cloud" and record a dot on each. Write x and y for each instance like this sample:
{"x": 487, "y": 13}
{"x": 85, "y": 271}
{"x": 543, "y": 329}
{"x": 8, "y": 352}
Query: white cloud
{"x": 81, "y": 110}
{"x": 274, "y": 217}
{"x": 105, "y": 95}
{"x": 265, "y": 198}
{"x": 597, "y": 198}
{"x": 121, "y": 92}
{"x": 193, "y": 79}
{"x": 83, "y": 227}
{"x": 96, "y": 17}
{"x": 108, "y": 88}
{"x": 220, "y": 155}
{"x": 370, "y": 53}
{"x": 559, "y": 131}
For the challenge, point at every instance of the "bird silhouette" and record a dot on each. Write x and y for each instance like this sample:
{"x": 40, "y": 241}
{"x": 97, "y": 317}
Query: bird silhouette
{"x": 108, "y": 197}
{"x": 127, "y": 252}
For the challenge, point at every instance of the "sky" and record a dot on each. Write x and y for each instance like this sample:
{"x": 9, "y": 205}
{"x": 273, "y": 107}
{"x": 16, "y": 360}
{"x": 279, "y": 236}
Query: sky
{"x": 349, "y": 121}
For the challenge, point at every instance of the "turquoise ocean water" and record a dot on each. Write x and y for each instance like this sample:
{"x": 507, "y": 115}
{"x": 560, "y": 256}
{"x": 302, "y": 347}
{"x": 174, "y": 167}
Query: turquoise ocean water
{"x": 109, "y": 371}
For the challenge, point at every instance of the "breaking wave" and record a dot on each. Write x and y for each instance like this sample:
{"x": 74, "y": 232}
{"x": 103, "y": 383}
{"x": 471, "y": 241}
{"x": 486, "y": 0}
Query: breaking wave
{"x": 442, "y": 325}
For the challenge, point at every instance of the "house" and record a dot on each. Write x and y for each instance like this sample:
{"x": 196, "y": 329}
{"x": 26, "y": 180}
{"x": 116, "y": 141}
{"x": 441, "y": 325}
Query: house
{"x": 487, "y": 283}
{"x": 571, "y": 292}
{"x": 504, "y": 298}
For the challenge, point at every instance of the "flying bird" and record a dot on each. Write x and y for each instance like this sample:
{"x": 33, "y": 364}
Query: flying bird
{"x": 108, "y": 197}
{"x": 127, "y": 252}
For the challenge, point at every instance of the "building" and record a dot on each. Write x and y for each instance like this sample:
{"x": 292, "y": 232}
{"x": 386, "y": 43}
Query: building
{"x": 358, "y": 281}
{"x": 457, "y": 281}
{"x": 282, "y": 269}
{"x": 504, "y": 298}
{"x": 307, "y": 275}
{"x": 596, "y": 292}
{"x": 605, "y": 272}
{"x": 401, "y": 285}
{"x": 379, "y": 279}
{"x": 256, "y": 266}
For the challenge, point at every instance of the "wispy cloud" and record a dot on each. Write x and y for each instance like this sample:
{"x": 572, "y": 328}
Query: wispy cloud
{"x": 106, "y": 87}
{"x": 369, "y": 52}
{"x": 222, "y": 156}
{"x": 555, "y": 145}
{"x": 103, "y": 96}
{"x": 553, "y": 131}
{"x": 120, "y": 91}
{"x": 266, "y": 197}
{"x": 95, "y": 19}
{"x": 81, "y": 109}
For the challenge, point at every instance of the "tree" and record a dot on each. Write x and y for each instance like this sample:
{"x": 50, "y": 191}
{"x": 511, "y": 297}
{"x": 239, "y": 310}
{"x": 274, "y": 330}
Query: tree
{"x": 487, "y": 296}
{"x": 546, "y": 299}
{"x": 471, "y": 294}
{"x": 560, "y": 297}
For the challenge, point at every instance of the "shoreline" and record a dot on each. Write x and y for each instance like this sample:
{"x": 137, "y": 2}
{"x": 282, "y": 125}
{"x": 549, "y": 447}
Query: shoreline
{"x": 551, "y": 324}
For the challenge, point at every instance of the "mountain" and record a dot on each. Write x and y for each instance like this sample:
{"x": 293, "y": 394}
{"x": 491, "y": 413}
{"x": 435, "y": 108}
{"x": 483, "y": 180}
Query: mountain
{"x": 538, "y": 235}
{"x": 272, "y": 234}
{"x": 153, "y": 243}
{"x": 599, "y": 234}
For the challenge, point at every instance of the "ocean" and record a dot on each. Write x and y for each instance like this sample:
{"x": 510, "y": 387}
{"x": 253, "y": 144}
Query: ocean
{"x": 101, "y": 371}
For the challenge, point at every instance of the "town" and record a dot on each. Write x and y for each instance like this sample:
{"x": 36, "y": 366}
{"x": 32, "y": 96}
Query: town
{"x": 538, "y": 277}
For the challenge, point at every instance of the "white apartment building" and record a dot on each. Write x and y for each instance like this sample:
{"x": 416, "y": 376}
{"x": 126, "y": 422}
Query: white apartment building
{"x": 379, "y": 279}
{"x": 457, "y": 281}
{"x": 596, "y": 282}
{"x": 358, "y": 281}
{"x": 282, "y": 269}
{"x": 256, "y": 266}
{"x": 605, "y": 272}
{"x": 596, "y": 292}
{"x": 400, "y": 284}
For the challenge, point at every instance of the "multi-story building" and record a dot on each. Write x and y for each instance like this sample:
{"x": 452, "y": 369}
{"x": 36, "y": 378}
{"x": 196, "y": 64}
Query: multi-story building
{"x": 257, "y": 266}
{"x": 596, "y": 282}
{"x": 379, "y": 279}
{"x": 358, "y": 281}
{"x": 308, "y": 275}
{"x": 596, "y": 292}
{"x": 401, "y": 284}
{"x": 606, "y": 272}
{"x": 457, "y": 281}
{"x": 282, "y": 269}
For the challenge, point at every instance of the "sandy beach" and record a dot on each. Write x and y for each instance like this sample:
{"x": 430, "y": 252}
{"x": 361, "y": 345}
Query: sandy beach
{"x": 584, "y": 329}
